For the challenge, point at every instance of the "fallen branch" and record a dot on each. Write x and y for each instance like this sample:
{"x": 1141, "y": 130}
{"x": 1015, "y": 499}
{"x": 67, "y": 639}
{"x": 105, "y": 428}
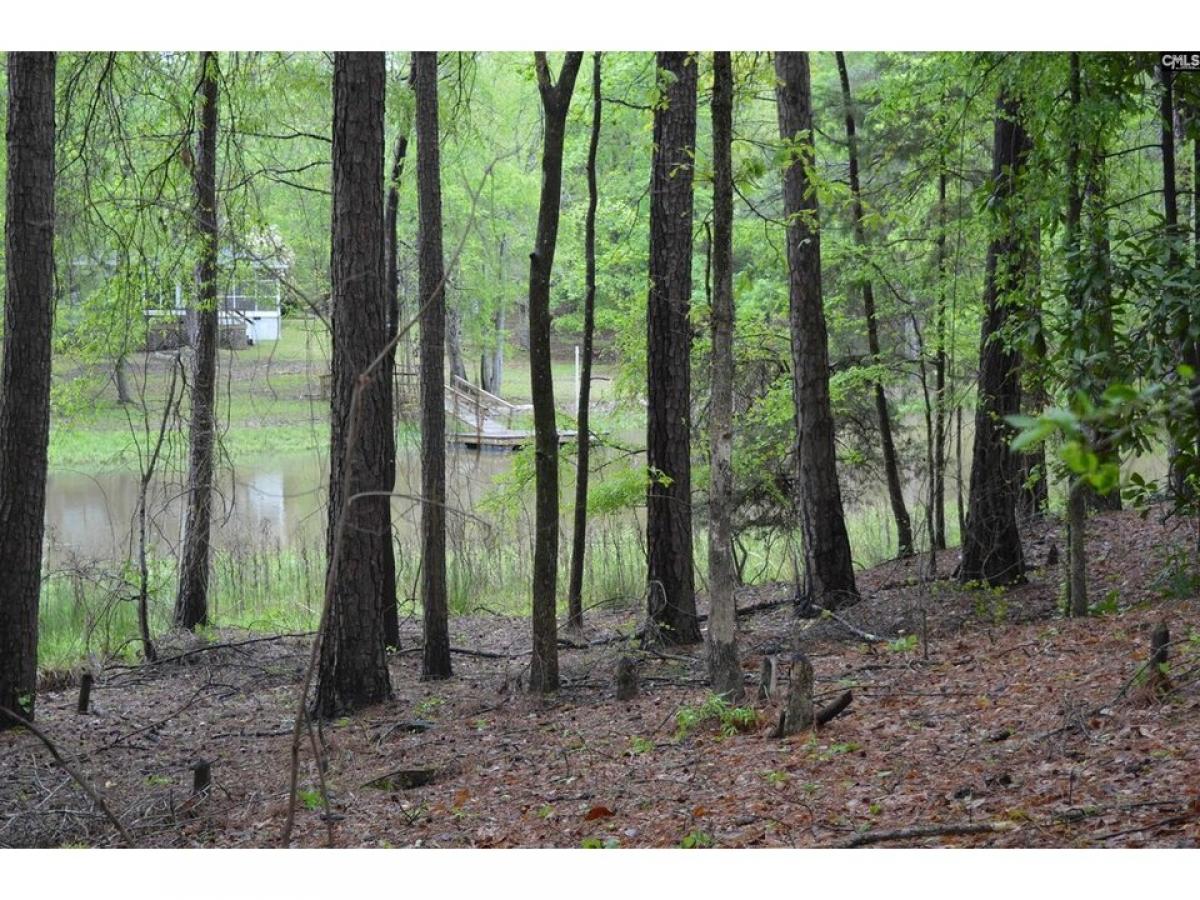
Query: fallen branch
{"x": 853, "y": 629}
{"x": 640, "y": 633}
{"x": 1161, "y": 823}
{"x": 922, "y": 831}
{"x": 463, "y": 651}
{"x": 834, "y": 709}
{"x": 75, "y": 776}
{"x": 163, "y": 660}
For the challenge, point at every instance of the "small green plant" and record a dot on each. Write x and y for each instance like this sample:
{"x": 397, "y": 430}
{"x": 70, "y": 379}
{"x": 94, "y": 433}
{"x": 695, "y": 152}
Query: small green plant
{"x": 837, "y": 750}
{"x": 638, "y": 745}
{"x": 1179, "y": 578}
{"x": 731, "y": 719}
{"x": 696, "y": 840}
{"x": 545, "y": 811}
{"x": 595, "y": 843}
{"x": 992, "y": 607}
{"x": 775, "y": 777}
{"x": 904, "y": 644}
{"x": 429, "y": 706}
{"x": 158, "y": 780}
{"x": 1109, "y": 605}
{"x": 310, "y": 797}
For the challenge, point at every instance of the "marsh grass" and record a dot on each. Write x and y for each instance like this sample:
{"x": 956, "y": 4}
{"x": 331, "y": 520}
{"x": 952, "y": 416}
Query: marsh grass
{"x": 88, "y": 608}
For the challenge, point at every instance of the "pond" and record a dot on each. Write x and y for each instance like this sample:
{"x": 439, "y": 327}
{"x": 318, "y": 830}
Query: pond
{"x": 271, "y": 503}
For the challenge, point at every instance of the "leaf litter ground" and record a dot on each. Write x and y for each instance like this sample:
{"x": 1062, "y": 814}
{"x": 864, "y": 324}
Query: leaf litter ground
{"x": 978, "y": 707}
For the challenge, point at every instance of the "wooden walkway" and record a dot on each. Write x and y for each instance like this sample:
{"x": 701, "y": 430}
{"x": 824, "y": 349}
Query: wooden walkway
{"x": 485, "y": 420}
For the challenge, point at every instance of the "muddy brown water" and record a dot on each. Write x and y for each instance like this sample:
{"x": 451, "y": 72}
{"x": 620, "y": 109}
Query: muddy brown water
{"x": 265, "y": 504}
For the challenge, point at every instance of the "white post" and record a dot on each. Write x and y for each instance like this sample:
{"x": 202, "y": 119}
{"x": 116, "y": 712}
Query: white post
{"x": 578, "y": 388}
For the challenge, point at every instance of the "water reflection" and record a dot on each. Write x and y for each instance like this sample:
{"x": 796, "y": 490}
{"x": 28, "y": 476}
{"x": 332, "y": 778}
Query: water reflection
{"x": 270, "y": 504}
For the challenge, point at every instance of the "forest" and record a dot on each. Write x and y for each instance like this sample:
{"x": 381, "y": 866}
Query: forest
{"x": 600, "y": 450}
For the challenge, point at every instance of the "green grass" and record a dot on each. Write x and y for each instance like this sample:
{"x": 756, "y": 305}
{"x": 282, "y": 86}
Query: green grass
{"x": 90, "y": 612}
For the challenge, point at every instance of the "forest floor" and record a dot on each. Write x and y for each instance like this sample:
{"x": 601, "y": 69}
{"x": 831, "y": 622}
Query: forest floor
{"x": 977, "y": 710}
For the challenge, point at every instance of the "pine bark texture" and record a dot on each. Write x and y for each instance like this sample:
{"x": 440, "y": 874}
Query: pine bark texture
{"x": 1100, "y": 309}
{"x": 25, "y": 372}
{"x": 432, "y": 298}
{"x": 828, "y": 571}
{"x": 891, "y": 467}
{"x": 191, "y": 602}
{"x": 583, "y": 460}
{"x": 353, "y": 670}
{"x": 992, "y": 551}
{"x": 724, "y": 667}
{"x": 391, "y": 613}
{"x": 938, "y": 475}
{"x": 556, "y": 100}
{"x": 671, "y": 588}
{"x": 1186, "y": 344}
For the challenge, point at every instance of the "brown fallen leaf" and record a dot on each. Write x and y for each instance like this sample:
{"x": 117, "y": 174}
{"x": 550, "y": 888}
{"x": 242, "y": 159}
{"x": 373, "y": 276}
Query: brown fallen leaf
{"x": 598, "y": 812}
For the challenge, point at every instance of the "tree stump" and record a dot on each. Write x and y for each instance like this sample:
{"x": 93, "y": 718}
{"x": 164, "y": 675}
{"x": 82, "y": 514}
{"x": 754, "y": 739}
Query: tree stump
{"x": 768, "y": 679}
{"x": 799, "y": 713}
{"x": 201, "y": 777}
{"x": 1157, "y": 680}
{"x": 627, "y": 678}
{"x": 85, "y": 692}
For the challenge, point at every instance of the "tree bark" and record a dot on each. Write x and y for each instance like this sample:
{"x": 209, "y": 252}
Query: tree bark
{"x": 353, "y": 668}
{"x": 671, "y": 587}
{"x": 991, "y": 543}
{"x": 1076, "y": 299}
{"x": 938, "y": 475}
{"x": 191, "y": 603}
{"x": 583, "y": 461}
{"x": 1100, "y": 312}
{"x": 1186, "y": 344}
{"x": 122, "y": 380}
{"x": 890, "y": 465}
{"x": 458, "y": 368}
{"x": 1077, "y": 599}
{"x": 724, "y": 667}
{"x": 25, "y": 371}
{"x": 1033, "y": 493}
{"x": 391, "y": 613}
{"x": 828, "y": 570}
{"x": 556, "y": 100}
{"x": 435, "y": 663}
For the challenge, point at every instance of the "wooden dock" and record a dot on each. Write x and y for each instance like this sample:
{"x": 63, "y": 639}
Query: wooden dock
{"x": 485, "y": 421}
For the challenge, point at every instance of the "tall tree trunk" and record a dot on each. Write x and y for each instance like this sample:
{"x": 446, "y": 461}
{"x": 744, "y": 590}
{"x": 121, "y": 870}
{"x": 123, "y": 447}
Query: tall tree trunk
{"x": 1033, "y": 495}
{"x": 353, "y": 668}
{"x": 391, "y": 288}
{"x": 458, "y": 368}
{"x": 120, "y": 365}
{"x": 890, "y": 465}
{"x": 1186, "y": 345}
{"x": 432, "y": 297}
{"x": 579, "y": 534}
{"x": 491, "y": 358}
{"x": 991, "y": 542}
{"x": 671, "y": 585}
{"x": 25, "y": 372}
{"x": 556, "y": 100}
{"x": 828, "y": 569}
{"x": 1100, "y": 312}
{"x": 191, "y": 603}
{"x": 938, "y": 475}
{"x": 1076, "y": 299}
{"x": 724, "y": 667}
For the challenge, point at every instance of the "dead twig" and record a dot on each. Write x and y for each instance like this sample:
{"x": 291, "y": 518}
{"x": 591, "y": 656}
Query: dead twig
{"x": 76, "y": 777}
{"x": 922, "y": 831}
